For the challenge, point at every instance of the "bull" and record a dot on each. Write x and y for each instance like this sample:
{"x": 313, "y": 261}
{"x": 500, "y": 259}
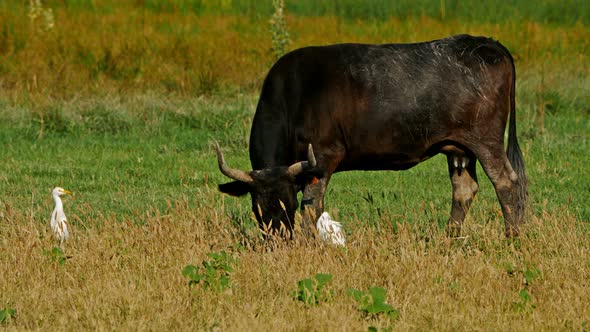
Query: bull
{"x": 328, "y": 109}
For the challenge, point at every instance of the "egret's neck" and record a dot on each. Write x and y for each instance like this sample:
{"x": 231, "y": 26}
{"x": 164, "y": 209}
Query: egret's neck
{"x": 58, "y": 204}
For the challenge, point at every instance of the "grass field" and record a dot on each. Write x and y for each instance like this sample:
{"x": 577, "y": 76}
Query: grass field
{"x": 124, "y": 116}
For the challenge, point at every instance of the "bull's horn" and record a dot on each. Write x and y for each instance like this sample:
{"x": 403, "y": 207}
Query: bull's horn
{"x": 232, "y": 173}
{"x": 299, "y": 167}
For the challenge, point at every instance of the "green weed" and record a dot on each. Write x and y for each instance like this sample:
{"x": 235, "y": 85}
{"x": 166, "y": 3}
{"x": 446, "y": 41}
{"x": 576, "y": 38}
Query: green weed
{"x": 530, "y": 274}
{"x": 372, "y": 303}
{"x": 383, "y": 329}
{"x": 7, "y": 315}
{"x": 314, "y": 291}
{"x": 213, "y": 273}
{"x": 56, "y": 255}
{"x": 525, "y": 302}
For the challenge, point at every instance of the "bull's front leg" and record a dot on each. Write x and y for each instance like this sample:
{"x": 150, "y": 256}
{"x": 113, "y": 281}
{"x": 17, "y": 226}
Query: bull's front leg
{"x": 312, "y": 203}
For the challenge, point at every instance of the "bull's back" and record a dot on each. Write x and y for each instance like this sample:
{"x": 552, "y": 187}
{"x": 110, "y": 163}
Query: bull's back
{"x": 386, "y": 104}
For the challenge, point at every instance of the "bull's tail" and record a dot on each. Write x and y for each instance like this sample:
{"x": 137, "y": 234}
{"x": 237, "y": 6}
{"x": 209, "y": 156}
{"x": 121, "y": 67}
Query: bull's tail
{"x": 515, "y": 155}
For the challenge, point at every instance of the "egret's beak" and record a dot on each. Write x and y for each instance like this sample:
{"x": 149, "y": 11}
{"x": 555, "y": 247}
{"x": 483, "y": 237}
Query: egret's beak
{"x": 67, "y": 192}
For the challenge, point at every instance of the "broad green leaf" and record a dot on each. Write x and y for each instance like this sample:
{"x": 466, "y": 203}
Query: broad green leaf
{"x": 394, "y": 314}
{"x": 356, "y": 294}
{"x": 510, "y": 269}
{"x": 307, "y": 284}
{"x": 224, "y": 281}
{"x": 6, "y": 315}
{"x": 214, "y": 255}
{"x": 531, "y": 274}
{"x": 377, "y": 308}
{"x": 190, "y": 271}
{"x": 378, "y": 294}
{"x": 323, "y": 278}
{"x": 524, "y": 295}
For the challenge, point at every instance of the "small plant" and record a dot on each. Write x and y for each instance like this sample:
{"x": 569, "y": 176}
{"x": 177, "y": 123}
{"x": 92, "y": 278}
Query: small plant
{"x": 213, "y": 273}
{"x": 278, "y": 29}
{"x": 314, "y": 291}
{"x": 7, "y": 315}
{"x": 525, "y": 302}
{"x": 383, "y": 329}
{"x": 57, "y": 255}
{"x": 372, "y": 303}
{"x": 531, "y": 274}
{"x": 510, "y": 269}
{"x": 453, "y": 286}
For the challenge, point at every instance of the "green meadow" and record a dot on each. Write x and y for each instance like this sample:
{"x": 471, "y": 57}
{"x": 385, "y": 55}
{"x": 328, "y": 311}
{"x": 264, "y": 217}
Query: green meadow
{"x": 120, "y": 102}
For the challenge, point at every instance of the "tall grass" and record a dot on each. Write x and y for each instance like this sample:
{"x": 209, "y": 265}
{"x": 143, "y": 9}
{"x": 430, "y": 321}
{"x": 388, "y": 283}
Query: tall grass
{"x": 124, "y": 276}
{"x": 555, "y": 12}
{"x": 547, "y": 11}
{"x": 99, "y": 47}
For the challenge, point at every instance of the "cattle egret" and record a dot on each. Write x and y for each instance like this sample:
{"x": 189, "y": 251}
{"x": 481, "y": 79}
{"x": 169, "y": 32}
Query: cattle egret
{"x": 331, "y": 230}
{"x": 58, "y": 217}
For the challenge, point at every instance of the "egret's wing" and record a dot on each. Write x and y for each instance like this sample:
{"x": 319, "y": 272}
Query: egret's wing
{"x": 330, "y": 230}
{"x": 52, "y": 223}
{"x": 337, "y": 233}
{"x": 322, "y": 225}
{"x": 64, "y": 227}
{"x": 61, "y": 231}
{"x": 335, "y": 224}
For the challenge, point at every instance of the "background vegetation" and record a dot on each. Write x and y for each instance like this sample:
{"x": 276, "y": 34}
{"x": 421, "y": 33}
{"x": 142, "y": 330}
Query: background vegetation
{"x": 120, "y": 101}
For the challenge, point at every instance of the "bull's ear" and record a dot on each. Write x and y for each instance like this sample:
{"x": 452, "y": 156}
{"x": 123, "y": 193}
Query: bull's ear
{"x": 235, "y": 188}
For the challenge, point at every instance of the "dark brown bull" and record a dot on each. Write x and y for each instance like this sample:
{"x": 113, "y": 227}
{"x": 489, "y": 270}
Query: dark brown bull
{"x": 383, "y": 107}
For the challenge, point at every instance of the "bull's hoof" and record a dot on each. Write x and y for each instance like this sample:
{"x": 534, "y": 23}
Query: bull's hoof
{"x": 453, "y": 230}
{"x": 512, "y": 232}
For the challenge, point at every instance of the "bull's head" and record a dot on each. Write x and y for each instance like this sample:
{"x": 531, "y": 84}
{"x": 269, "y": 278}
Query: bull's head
{"x": 273, "y": 190}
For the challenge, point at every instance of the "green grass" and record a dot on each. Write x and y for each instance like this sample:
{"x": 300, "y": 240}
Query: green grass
{"x": 159, "y": 153}
{"x": 125, "y": 157}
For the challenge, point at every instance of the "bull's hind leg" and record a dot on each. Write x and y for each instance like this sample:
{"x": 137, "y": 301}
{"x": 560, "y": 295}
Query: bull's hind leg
{"x": 464, "y": 181}
{"x": 496, "y": 165}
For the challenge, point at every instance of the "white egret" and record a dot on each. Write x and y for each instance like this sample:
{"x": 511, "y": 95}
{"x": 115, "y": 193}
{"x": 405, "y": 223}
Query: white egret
{"x": 58, "y": 223}
{"x": 331, "y": 230}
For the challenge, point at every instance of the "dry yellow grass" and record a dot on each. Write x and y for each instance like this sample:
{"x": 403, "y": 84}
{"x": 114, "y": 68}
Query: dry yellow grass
{"x": 126, "y": 276}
